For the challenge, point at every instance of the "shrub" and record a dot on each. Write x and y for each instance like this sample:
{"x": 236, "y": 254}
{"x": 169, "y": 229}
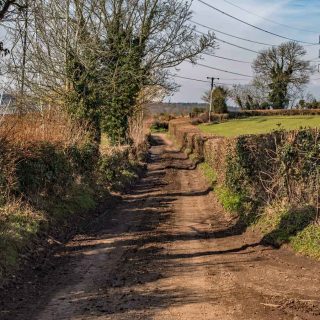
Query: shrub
{"x": 219, "y": 98}
{"x": 43, "y": 169}
{"x": 165, "y": 117}
{"x": 230, "y": 200}
{"x": 117, "y": 170}
{"x": 83, "y": 158}
{"x": 159, "y": 126}
{"x": 197, "y": 110}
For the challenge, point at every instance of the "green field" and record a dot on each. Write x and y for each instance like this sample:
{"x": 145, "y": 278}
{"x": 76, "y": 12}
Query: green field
{"x": 262, "y": 124}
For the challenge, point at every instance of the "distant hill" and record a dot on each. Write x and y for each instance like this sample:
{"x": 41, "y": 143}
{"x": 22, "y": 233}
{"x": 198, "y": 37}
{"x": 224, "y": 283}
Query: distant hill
{"x": 174, "y": 108}
{"x": 178, "y": 108}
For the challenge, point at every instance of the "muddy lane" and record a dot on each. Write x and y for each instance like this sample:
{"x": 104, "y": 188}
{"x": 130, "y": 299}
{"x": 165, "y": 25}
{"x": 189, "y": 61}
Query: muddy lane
{"x": 168, "y": 251}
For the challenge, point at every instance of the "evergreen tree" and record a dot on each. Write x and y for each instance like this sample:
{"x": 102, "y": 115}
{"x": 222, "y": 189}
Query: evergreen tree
{"x": 219, "y": 100}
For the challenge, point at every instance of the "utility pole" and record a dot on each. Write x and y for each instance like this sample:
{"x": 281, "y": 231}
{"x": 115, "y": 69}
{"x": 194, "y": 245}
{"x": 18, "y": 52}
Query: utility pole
{"x": 211, "y": 91}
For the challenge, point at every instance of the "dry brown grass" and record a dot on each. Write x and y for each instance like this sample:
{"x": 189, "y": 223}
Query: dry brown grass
{"x": 139, "y": 128}
{"x": 53, "y": 126}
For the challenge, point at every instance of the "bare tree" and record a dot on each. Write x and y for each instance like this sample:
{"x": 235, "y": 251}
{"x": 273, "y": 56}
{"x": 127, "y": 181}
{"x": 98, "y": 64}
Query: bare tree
{"x": 283, "y": 70}
{"x": 249, "y": 96}
{"x": 9, "y": 10}
{"x": 103, "y": 53}
{"x": 9, "y": 7}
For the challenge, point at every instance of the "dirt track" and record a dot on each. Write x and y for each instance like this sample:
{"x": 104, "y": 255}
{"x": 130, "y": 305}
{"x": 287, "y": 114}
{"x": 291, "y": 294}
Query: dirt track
{"x": 168, "y": 252}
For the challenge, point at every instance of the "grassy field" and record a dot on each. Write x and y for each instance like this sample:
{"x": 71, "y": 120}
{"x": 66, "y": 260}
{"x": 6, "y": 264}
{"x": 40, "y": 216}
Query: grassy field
{"x": 263, "y": 124}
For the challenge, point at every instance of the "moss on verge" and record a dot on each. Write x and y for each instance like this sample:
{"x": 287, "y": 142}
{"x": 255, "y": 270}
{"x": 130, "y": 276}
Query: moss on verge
{"x": 209, "y": 173}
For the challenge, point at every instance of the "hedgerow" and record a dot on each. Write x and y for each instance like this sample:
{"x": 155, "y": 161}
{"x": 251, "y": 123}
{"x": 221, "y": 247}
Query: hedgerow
{"x": 45, "y": 185}
{"x": 255, "y": 172}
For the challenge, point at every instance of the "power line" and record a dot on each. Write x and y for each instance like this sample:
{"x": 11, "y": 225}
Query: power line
{"x": 253, "y": 26}
{"x": 233, "y": 36}
{"x": 269, "y": 20}
{"x": 233, "y": 79}
{"x": 192, "y": 79}
{"x": 229, "y": 59}
{"x": 229, "y": 43}
{"x": 199, "y": 80}
{"x": 235, "y": 45}
{"x": 226, "y": 71}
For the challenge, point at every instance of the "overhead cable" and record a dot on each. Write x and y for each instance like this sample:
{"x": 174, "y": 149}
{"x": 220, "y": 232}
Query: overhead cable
{"x": 253, "y": 26}
{"x": 226, "y": 71}
{"x": 269, "y": 20}
{"x": 229, "y": 43}
{"x": 233, "y": 36}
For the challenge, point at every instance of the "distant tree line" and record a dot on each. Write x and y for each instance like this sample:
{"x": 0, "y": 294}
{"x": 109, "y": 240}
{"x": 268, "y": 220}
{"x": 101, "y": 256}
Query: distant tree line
{"x": 176, "y": 108}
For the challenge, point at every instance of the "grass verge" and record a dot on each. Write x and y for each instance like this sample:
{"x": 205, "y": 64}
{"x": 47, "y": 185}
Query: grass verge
{"x": 294, "y": 226}
{"x": 22, "y": 225}
{"x": 208, "y": 173}
{"x": 260, "y": 125}
{"x": 307, "y": 241}
{"x": 278, "y": 223}
{"x": 19, "y": 224}
{"x": 231, "y": 201}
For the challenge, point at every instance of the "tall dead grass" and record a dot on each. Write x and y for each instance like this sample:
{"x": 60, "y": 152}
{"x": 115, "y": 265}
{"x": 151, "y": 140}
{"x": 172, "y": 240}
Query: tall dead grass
{"x": 53, "y": 125}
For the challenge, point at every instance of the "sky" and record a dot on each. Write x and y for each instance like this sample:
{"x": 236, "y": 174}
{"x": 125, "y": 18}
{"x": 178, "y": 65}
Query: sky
{"x": 303, "y": 16}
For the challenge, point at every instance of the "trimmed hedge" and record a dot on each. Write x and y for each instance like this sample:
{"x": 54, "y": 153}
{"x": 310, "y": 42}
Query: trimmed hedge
{"x": 278, "y": 112}
{"x": 254, "y": 173}
{"x": 254, "y": 113}
{"x": 261, "y": 167}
